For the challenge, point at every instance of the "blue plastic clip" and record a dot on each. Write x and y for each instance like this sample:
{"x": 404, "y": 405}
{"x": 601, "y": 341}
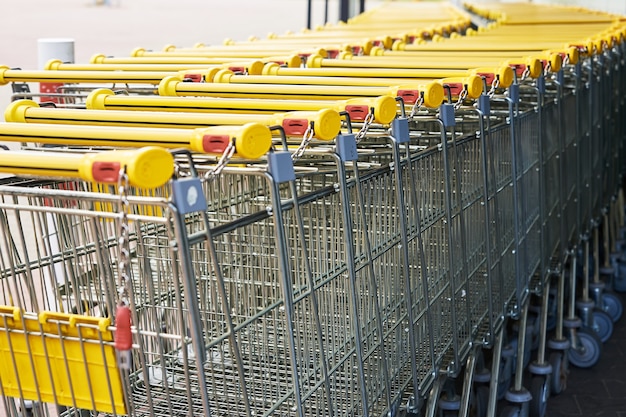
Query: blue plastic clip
{"x": 484, "y": 104}
{"x": 514, "y": 93}
{"x": 280, "y": 165}
{"x": 446, "y": 112}
{"x": 346, "y": 147}
{"x": 188, "y": 195}
{"x": 400, "y": 129}
{"x": 560, "y": 77}
{"x": 541, "y": 84}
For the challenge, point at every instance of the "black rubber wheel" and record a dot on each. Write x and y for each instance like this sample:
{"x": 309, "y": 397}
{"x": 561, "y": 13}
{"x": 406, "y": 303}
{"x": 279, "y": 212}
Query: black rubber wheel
{"x": 560, "y": 371}
{"x": 587, "y": 351}
{"x": 602, "y": 325}
{"x": 540, "y": 390}
{"x": 612, "y": 305}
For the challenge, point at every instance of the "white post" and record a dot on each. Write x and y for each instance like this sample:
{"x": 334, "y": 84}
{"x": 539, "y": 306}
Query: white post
{"x": 53, "y": 48}
{"x": 48, "y": 49}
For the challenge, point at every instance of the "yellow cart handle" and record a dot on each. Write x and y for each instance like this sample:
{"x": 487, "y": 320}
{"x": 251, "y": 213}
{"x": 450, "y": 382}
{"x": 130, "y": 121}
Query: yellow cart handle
{"x": 325, "y": 123}
{"x": 434, "y": 65}
{"x": 589, "y": 46}
{"x": 148, "y": 167}
{"x": 172, "y": 86}
{"x": 249, "y": 67}
{"x": 571, "y": 52}
{"x": 290, "y": 61}
{"x": 504, "y": 75}
{"x": 229, "y": 53}
{"x": 455, "y": 86}
{"x": 8, "y": 75}
{"x": 385, "y": 107}
{"x": 251, "y": 140}
{"x": 407, "y": 73}
{"x": 410, "y": 93}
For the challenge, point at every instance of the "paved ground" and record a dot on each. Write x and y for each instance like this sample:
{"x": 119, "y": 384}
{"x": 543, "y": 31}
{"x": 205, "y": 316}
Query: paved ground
{"x": 601, "y": 390}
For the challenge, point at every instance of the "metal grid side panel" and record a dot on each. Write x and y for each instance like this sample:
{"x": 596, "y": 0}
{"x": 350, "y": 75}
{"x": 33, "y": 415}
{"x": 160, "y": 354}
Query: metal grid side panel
{"x": 570, "y": 170}
{"x": 380, "y": 280}
{"x": 596, "y": 155}
{"x": 315, "y": 238}
{"x": 472, "y": 293}
{"x": 529, "y": 199}
{"x": 502, "y": 215}
{"x": 552, "y": 183}
{"x": 71, "y": 267}
{"x": 584, "y": 169}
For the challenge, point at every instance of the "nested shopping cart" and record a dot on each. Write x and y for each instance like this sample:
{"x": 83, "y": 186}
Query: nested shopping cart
{"x": 394, "y": 252}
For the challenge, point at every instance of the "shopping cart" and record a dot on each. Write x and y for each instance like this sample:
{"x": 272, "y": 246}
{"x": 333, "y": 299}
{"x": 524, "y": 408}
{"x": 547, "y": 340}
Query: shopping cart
{"x": 405, "y": 266}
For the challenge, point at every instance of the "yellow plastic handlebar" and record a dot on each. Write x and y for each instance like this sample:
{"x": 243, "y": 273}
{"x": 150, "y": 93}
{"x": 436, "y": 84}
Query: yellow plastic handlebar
{"x": 385, "y": 107}
{"x": 251, "y": 140}
{"x": 172, "y": 86}
{"x": 326, "y": 123}
{"x": 291, "y": 61}
{"x": 8, "y": 75}
{"x": 148, "y": 167}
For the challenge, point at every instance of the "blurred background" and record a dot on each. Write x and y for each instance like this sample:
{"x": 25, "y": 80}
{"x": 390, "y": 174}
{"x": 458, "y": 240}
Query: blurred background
{"x": 116, "y": 27}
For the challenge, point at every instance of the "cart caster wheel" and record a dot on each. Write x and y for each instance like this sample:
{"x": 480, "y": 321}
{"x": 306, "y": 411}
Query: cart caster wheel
{"x": 602, "y": 325}
{"x": 540, "y": 390}
{"x": 612, "y": 305}
{"x": 586, "y": 353}
{"x": 558, "y": 382}
{"x": 480, "y": 401}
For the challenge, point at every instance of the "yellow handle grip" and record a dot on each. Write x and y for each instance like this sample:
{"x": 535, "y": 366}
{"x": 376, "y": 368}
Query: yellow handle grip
{"x": 252, "y": 140}
{"x": 503, "y": 74}
{"x": 14, "y": 312}
{"x": 385, "y": 108}
{"x": 326, "y": 123}
{"x": 147, "y": 167}
{"x": 472, "y": 85}
{"x": 101, "y": 99}
{"x": 102, "y": 323}
{"x": 8, "y": 75}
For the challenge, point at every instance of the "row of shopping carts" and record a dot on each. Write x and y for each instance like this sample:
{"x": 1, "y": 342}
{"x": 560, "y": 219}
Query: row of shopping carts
{"x": 405, "y": 214}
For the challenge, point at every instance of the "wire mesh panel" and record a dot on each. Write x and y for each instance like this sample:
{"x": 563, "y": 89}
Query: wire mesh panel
{"x": 552, "y": 182}
{"x": 342, "y": 278}
{"x": 595, "y": 154}
{"x": 66, "y": 273}
{"x": 570, "y": 163}
{"x": 584, "y": 166}
{"x": 318, "y": 338}
{"x": 529, "y": 228}
{"x": 502, "y": 211}
{"x": 475, "y": 289}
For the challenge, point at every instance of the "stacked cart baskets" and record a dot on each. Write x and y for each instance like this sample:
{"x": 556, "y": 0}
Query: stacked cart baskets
{"x": 405, "y": 214}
